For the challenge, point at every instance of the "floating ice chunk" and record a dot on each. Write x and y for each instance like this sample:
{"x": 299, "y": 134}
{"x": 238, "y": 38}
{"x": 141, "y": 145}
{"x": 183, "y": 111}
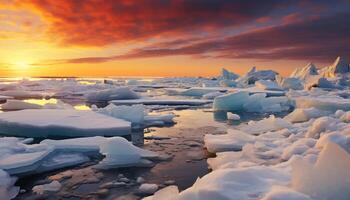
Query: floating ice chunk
{"x": 297, "y": 148}
{"x": 233, "y": 116}
{"x": 68, "y": 123}
{"x": 118, "y": 153}
{"x": 268, "y": 124}
{"x": 340, "y": 66}
{"x": 284, "y": 193}
{"x": 112, "y": 94}
{"x": 234, "y": 140}
{"x": 147, "y": 188}
{"x": 235, "y": 184}
{"x": 54, "y": 186}
{"x": 7, "y": 188}
{"x": 25, "y": 161}
{"x": 230, "y": 102}
{"x": 255, "y": 75}
{"x": 136, "y": 114}
{"x": 328, "y": 178}
{"x": 191, "y": 102}
{"x": 275, "y": 104}
{"x": 60, "y": 161}
{"x": 133, "y": 113}
{"x": 83, "y": 145}
{"x": 253, "y": 103}
{"x": 320, "y": 125}
{"x": 93, "y": 144}
{"x": 267, "y": 85}
{"x": 212, "y": 95}
{"x": 303, "y": 115}
{"x": 165, "y": 118}
{"x": 323, "y": 103}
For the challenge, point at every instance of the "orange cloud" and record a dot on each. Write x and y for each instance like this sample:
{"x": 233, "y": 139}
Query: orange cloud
{"x": 95, "y": 22}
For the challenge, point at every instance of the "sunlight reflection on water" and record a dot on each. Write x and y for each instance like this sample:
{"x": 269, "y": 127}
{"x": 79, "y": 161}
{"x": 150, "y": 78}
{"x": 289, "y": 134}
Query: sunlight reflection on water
{"x": 41, "y": 101}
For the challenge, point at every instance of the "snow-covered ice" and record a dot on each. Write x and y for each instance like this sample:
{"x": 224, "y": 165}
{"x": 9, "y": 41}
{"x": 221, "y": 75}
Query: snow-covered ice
{"x": 67, "y": 122}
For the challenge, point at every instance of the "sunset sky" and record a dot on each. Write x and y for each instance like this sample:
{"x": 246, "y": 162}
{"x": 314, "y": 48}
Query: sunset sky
{"x": 168, "y": 37}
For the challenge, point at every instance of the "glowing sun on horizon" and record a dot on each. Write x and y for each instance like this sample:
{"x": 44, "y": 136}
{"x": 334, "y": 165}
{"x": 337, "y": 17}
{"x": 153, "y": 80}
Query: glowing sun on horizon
{"x": 21, "y": 65}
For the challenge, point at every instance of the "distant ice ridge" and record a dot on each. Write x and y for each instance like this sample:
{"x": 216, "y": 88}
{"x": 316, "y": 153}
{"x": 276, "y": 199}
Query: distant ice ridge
{"x": 335, "y": 76}
{"x": 277, "y": 158}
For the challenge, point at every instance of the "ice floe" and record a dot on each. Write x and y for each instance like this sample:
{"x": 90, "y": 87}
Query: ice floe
{"x": 18, "y": 158}
{"x": 57, "y": 122}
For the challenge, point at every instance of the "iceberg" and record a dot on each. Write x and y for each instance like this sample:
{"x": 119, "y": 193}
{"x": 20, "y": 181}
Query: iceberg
{"x": 230, "y": 102}
{"x": 241, "y": 101}
{"x": 306, "y": 72}
{"x": 339, "y": 67}
{"x": 225, "y": 74}
{"x": 254, "y": 75}
{"x": 61, "y": 123}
